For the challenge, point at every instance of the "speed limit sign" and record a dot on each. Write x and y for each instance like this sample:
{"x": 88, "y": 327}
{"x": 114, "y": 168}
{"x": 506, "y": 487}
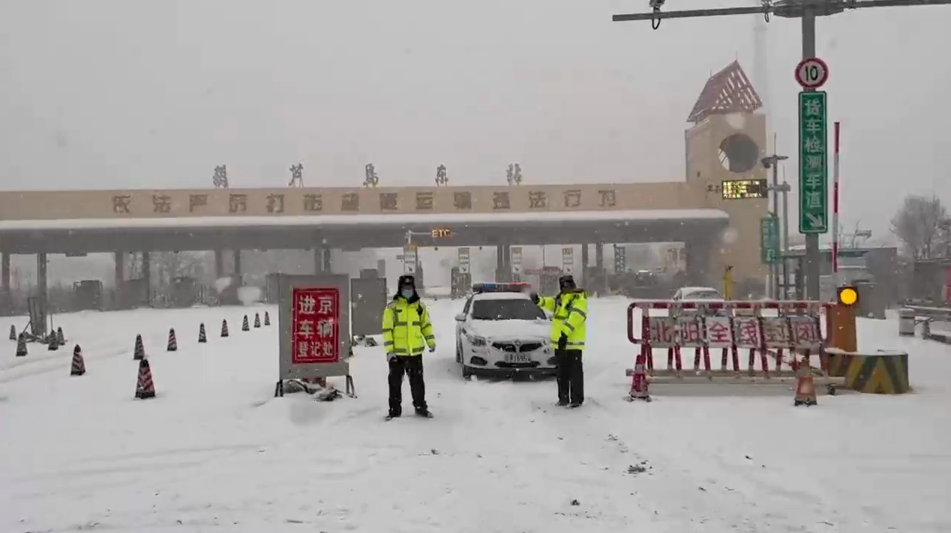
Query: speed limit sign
{"x": 812, "y": 73}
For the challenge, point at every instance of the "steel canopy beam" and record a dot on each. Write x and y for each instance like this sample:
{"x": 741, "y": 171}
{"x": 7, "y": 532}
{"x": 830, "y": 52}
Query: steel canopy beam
{"x": 786, "y": 9}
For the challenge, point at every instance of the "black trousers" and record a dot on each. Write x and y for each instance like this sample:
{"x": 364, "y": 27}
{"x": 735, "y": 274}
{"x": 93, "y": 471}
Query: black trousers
{"x": 412, "y": 367}
{"x": 570, "y": 376}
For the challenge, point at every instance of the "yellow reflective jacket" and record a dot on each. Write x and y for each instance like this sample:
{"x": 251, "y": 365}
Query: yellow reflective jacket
{"x": 569, "y": 311}
{"x": 406, "y": 326}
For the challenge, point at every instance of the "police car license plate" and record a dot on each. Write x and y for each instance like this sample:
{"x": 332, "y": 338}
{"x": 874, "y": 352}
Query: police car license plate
{"x": 517, "y": 358}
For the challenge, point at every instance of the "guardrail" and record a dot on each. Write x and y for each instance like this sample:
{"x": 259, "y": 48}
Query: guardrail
{"x": 768, "y": 330}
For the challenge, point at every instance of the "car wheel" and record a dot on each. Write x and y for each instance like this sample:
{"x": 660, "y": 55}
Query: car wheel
{"x": 466, "y": 373}
{"x": 459, "y": 352}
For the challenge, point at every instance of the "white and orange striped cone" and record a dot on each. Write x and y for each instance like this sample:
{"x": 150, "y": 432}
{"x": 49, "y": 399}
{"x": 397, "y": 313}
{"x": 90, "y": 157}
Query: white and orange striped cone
{"x": 21, "y": 345}
{"x": 13, "y": 332}
{"x": 224, "y": 328}
{"x": 172, "y": 342}
{"x": 52, "y": 342}
{"x": 267, "y": 319}
{"x": 60, "y": 338}
{"x": 805, "y": 385}
{"x": 640, "y": 386}
{"x": 202, "y": 338}
{"x": 144, "y": 386}
{"x": 244, "y": 324}
{"x": 79, "y": 366}
{"x": 257, "y": 320}
{"x": 139, "y": 352}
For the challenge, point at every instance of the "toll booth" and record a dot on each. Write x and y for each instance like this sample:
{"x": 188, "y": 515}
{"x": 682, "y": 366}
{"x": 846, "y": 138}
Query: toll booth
{"x": 184, "y": 292}
{"x": 133, "y": 293}
{"x": 548, "y": 280}
{"x": 87, "y": 295}
{"x": 459, "y": 283}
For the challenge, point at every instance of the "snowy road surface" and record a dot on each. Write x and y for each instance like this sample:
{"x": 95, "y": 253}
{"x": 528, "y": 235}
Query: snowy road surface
{"x": 215, "y": 452}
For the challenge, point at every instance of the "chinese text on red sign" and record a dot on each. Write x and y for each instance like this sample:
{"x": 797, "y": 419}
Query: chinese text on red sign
{"x": 747, "y": 332}
{"x": 776, "y": 332}
{"x": 663, "y": 331}
{"x": 690, "y": 333}
{"x": 315, "y": 326}
{"x": 805, "y": 332}
{"x": 719, "y": 334}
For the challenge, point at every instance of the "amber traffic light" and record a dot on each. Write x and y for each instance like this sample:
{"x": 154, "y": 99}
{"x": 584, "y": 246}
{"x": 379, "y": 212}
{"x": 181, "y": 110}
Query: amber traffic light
{"x": 847, "y": 296}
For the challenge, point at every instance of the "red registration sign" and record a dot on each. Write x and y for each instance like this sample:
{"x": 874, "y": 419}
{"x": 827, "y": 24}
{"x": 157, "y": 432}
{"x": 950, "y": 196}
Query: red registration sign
{"x": 315, "y": 325}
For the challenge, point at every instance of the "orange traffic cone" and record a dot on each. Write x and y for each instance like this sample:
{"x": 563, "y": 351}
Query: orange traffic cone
{"x": 21, "y": 345}
{"x": 79, "y": 366}
{"x": 172, "y": 342}
{"x": 202, "y": 338}
{"x": 640, "y": 387}
{"x": 144, "y": 387}
{"x": 805, "y": 385}
{"x": 139, "y": 352}
{"x": 224, "y": 328}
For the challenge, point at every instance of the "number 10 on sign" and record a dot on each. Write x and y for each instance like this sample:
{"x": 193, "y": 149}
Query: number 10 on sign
{"x": 813, "y": 163}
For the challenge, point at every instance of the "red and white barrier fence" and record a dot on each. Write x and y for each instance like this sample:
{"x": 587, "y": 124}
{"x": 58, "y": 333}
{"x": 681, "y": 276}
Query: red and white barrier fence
{"x": 791, "y": 327}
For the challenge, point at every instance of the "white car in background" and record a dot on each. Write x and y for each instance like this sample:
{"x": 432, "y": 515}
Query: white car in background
{"x": 697, "y": 293}
{"x": 503, "y": 334}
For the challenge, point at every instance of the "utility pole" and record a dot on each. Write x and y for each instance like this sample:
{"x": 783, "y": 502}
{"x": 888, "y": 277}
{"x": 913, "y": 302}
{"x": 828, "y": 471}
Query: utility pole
{"x": 807, "y": 10}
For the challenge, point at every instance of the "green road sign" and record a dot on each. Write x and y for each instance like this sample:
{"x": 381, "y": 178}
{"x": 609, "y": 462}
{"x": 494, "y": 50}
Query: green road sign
{"x": 813, "y": 163}
{"x": 769, "y": 239}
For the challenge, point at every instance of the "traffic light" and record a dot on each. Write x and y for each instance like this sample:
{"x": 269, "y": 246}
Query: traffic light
{"x": 847, "y": 296}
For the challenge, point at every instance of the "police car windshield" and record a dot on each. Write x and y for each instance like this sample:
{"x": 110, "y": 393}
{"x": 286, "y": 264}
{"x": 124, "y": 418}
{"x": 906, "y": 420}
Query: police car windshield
{"x": 514, "y": 309}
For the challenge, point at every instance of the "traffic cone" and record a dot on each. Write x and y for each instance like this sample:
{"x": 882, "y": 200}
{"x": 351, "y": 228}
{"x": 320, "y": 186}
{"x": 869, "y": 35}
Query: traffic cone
{"x": 52, "y": 342}
{"x": 144, "y": 387}
{"x": 640, "y": 387}
{"x": 267, "y": 319}
{"x": 139, "y": 353}
{"x": 60, "y": 338}
{"x": 79, "y": 366}
{"x": 224, "y": 328}
{"x": 257, "y": 320}
{"x": 13, "y": 332}
{"x": 805, "y": 385}
{"x": 172, "y": 343}
{"x": 244, "y": 324}
{"x": 201, "y": 333}
{"x": 21, "y": 345}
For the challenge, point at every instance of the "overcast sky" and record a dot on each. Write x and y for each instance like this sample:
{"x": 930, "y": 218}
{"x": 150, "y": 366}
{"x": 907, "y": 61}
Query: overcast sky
{"x": 120, "y": 94}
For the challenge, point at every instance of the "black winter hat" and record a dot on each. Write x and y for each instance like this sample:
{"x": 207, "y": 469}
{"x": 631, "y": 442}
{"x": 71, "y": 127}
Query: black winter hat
{"x": 405, "y": 280}
{"x": 567, "y": 282}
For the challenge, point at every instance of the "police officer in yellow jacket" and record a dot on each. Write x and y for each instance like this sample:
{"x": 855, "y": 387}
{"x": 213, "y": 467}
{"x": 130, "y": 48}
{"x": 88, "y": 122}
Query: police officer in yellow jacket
{"x": 407, "y": 330}
{"x": 569, "y": 309}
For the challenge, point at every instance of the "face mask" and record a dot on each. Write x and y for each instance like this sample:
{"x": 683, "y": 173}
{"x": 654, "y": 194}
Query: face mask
{"x": 407, "y": 293}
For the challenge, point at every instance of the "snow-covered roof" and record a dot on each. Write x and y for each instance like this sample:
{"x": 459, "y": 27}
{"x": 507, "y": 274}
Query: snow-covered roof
{"x": 618, "y": 216}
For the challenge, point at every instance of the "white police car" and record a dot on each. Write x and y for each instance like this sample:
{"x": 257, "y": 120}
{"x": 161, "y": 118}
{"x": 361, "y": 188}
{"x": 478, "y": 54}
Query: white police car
{"x": 502, "y": 333}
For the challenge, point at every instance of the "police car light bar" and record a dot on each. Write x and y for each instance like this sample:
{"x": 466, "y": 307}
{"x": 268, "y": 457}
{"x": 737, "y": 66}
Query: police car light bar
{"x": 519, "y": 286}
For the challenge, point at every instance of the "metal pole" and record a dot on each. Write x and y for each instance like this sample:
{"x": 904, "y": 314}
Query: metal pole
{"x": 785, "y": 237}
{"x": 812, "y": 239}
{"x": 774, "y": 268}
{"x": 835, "y": 205}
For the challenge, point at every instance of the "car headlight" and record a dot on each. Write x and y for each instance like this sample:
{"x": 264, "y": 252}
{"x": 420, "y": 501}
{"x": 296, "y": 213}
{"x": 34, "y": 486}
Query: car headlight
{"x": 477, "y": 341}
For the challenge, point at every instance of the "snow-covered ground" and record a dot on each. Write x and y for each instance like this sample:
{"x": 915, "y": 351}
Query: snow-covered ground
{"x": 215, "y": 452}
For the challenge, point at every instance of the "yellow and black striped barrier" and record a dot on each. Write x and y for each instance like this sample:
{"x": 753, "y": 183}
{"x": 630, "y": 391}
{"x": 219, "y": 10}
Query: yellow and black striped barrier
{"x": 880, "y": 372}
